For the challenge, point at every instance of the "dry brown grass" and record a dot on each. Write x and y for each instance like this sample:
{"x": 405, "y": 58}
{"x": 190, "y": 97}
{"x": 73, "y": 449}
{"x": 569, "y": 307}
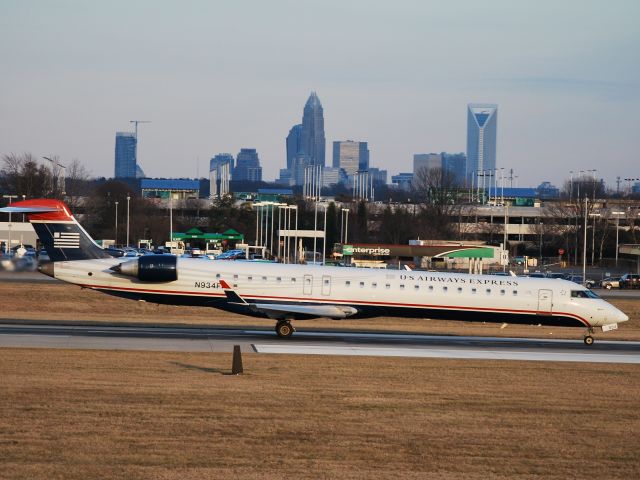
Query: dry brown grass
{"x": 98, "y": 414}
{"x": 64, "y": 302}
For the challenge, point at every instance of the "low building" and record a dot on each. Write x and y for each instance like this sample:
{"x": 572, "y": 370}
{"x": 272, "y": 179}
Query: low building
{"x": 177, "y": 189}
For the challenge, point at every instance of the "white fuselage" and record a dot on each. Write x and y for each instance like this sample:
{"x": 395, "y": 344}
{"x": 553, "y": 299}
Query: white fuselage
{"x": 416, "y": 293}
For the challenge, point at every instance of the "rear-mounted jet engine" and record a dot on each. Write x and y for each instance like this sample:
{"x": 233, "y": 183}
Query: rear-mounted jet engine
{"x": 150, "y": 268}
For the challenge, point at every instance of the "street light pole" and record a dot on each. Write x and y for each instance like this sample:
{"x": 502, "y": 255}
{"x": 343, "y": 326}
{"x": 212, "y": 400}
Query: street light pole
{"x": 617, "y": 214}
{"x": 170, "y": 220}
{"x": 584, "y": 246}
{"x": 10, "y": 197}
{"x": 540, "y": 225}
{"x": 128, "y": 199}
{"x": 324, "y": 238}
{"x": 116, "y": 224}
{"x": 346, "y": 227}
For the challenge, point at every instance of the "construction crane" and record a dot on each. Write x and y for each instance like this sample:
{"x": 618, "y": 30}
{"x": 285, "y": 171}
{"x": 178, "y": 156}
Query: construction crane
{"x": 136, "y": 122}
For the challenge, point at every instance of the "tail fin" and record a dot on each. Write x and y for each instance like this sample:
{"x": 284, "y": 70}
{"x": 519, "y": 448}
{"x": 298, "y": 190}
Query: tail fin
{"x": 59, "y": 232}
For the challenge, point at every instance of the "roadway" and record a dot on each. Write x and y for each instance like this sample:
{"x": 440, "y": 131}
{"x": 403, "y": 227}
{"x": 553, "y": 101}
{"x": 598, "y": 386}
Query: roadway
{"x": 161, "y": 338}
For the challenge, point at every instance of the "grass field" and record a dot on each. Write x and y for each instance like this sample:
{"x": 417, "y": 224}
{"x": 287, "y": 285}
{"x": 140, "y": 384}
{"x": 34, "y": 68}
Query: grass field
{"x": 64, "y": 302}
{"x": 112, "y": 415}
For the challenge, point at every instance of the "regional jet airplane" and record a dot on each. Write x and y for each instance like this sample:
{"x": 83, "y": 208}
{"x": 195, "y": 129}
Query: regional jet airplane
{"x": 295, "y": 292}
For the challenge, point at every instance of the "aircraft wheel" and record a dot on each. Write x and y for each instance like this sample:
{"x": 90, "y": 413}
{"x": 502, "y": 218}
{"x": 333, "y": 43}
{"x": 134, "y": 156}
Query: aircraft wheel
{"x": 588, "y": 340}
{"x": 284, "y": 329}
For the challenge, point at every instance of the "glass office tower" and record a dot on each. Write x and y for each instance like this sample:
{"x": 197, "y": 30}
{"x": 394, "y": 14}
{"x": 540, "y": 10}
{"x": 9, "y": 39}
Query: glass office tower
{"x": 482, "y": 123}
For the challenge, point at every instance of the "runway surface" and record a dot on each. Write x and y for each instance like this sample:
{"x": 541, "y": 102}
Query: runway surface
{"x": 315, "y": 343}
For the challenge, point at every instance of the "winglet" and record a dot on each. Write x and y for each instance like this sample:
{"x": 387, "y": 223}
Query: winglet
{"x": 231, "y": 294}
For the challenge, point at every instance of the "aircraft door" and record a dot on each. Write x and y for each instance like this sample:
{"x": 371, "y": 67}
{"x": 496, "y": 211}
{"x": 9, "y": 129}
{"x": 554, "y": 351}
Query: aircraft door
{"x": 545, "y": 302}
{"x": 326, "y": 285}
{"x": 307, "y": 287}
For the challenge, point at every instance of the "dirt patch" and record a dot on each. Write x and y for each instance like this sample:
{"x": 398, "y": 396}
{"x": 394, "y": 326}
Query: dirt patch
{"x": 98, "y": 414}
{"x": 69, "y": 303}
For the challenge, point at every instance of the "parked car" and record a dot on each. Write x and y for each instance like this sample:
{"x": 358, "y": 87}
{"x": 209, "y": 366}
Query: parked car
{"x": 43, "y": 256}
{"x": 561, "y": 276}
{"x": 578, "y": 279}
{"x": 610, "y": 282}
{"x": 630, "y": 280}
{"x": 114, "y": 252}
{"x": 236, "y": 254}
{"x": 537, "y": 275}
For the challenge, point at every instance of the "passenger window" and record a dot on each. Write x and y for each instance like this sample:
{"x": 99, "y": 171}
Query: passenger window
{"x": 473, "y": 290}
{"x": 515, "y": 292}
{"x": 264, "y": 279}
{"x": 502, "y": 292}
{"x": 431, "y": 288}
{"x": 417, "y": 287}
{"x": 374, "y": 285}
{"x": 361, "y": 284}
{"x": 444, "y": 289}
{"x": 249, "y": 278}
{"x": 279, "y": 279}
{"x": 488, "y": 291}
{"x": 387, "y": 285}
{"x": 401, "y": 287}
{"x": 459, "y": 289}
{"x": 235, "y": 277}
{"x": 347, "y": 283}
{"x": 293, "y": 280}
{"x": 326, "y": 282}
{"x": 217, "y": 275}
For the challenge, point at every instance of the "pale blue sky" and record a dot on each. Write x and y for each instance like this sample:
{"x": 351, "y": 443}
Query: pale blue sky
{"x": 215, "y": 76}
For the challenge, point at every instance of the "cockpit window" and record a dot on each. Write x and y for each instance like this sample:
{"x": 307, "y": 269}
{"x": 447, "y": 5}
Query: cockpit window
{"x": 583, "y": 294}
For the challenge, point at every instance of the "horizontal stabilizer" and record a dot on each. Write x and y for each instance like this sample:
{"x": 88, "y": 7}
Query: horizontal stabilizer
{"x": 27, "y": 209}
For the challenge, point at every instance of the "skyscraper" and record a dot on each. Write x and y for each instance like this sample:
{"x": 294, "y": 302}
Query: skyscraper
{"x": 247, "y": 166}
{"x": 294, "y": 144}
{"x": 125, "y": 159}
{"x": 350, "y": 156}
{"x": 429, "y": 161}
{"x": 220, "y": 168}
{"x": 482, "y": 123}
{"x": 455, "y": 164}
{"x": 312, "y": 134}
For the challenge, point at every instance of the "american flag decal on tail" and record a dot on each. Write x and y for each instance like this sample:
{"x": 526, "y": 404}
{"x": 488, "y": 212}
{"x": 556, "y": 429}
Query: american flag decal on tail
{"x": 66, "y": 240}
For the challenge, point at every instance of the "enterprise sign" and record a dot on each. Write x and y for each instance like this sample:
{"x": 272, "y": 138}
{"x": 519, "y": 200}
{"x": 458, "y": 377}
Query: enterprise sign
{"x": 446, "y": 250}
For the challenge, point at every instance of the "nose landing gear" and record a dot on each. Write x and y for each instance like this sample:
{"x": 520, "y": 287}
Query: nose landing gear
{"x": 588, "y": 339}
{"x": 284, "y": 329}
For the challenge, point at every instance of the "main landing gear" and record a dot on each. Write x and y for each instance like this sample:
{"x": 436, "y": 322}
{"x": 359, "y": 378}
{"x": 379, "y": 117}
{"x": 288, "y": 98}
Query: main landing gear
{"x": 588, "y": 339}
{"x": 284, "y": 329}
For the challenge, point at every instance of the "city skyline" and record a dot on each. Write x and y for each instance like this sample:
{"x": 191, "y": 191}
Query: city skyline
{"x": 567, "y": 90}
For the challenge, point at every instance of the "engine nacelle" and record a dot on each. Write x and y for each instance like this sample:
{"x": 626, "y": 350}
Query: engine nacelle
{"x": 150, "y": 268}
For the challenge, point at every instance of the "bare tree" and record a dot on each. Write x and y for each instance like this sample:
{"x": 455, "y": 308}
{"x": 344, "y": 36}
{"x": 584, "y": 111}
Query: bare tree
{"x": 22, "y": 175}
{"x": 76, "y": 185}
{"x": 438, "y": 191}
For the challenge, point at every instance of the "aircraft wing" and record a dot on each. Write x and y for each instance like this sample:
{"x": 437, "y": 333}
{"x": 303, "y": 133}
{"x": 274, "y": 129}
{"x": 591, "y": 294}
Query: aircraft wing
{"x": 282, "y": 310}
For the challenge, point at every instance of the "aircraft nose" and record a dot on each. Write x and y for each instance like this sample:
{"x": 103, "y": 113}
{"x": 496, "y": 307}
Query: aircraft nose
{"x": 621, "y": 316}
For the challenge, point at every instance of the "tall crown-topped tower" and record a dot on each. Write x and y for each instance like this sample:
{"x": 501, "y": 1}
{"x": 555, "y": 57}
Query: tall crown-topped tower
{"x": 312, "y": 136}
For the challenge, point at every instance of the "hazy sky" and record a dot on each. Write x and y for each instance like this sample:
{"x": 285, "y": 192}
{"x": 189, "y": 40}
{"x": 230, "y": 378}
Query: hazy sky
{"x": 215, "y": 76}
